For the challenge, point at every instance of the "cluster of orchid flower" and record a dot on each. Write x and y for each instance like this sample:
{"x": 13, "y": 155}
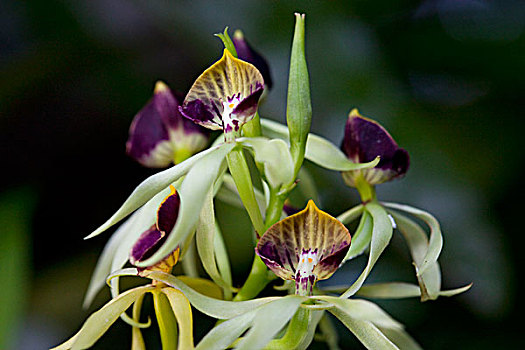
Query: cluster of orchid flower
{"x": 173, "y": 218}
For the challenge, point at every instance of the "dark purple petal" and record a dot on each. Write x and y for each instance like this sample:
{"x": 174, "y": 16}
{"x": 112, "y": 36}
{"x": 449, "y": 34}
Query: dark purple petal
{"x": 364, "y": 140}
{"x": 151, "y": 137}
{"x": 248, "y": 106}
{"x": 148, "y": 141}
{"x": 246, "y": 53}
{"x": 200, "y": 113}
{"x": 332, "y": 261}
{"x": 168, "y": 212}
{"x": 146, "y": 245}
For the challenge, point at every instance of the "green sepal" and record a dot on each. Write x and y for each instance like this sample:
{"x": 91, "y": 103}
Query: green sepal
{"x": 318, "y": 149}
{"x": 298, "y": 103}
{"x": 166, "y": 320}
{"x": 381, "y": 234}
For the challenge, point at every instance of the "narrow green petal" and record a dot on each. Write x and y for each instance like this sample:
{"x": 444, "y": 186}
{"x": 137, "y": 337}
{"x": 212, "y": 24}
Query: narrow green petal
{"x": 381, "y": 235}
{"x": 166, "y": 321}
{"x": 276, "y": 159}
{"x": 368, "y": 334}
{"x": 362, "y": 237}
{"x": 269, "y": 320}
{"x": 436, "y": 239}
{"x": 192, "y": 193}
{"x": 351, "y": 214}
{"x": 137, "y": 341}
{"x": 205, "y": 239}
{"x": 220, "y": 309}
{"x": 182, "y": 310}
{"x": 223, "y": 335}
{"x": 318, "y": 150}
{"x": 400, "y": 338}
{"x": 363, "y": 310}
{"x": 99, "y": 322}
{"x": 400, "y": 290}
{"x": 416, "y": 238}
{"x": 150, "y": 187}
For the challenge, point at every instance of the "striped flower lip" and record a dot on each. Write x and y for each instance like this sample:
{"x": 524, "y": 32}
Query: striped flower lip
{"x": 153, "y": 238}
{"x": 363, "y": 141}
{"x": 159, "y": 135}
{"x": 225, "y": 96}
{"x": 305, "y": 247}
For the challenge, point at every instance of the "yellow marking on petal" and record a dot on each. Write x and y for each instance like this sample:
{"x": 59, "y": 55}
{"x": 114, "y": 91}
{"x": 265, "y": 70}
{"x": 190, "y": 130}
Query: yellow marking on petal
{"x": 309, "y": 260}
{"x": 231, "y": 105}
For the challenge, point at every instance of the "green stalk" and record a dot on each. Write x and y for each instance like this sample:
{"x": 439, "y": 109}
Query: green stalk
{"x": 243, "y": 181}
{"x": 253, "y": 127}
{"x": 258, "y": 277}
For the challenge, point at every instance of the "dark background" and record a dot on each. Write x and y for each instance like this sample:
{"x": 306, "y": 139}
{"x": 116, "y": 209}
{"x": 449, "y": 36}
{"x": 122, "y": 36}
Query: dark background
{"x": 444, "y": 76}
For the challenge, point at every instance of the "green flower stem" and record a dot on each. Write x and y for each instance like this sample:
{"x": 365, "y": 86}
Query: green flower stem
{"x": 366, "y": 191}
{"x": 242, "y": 178}
{"x": 259, "y": 277}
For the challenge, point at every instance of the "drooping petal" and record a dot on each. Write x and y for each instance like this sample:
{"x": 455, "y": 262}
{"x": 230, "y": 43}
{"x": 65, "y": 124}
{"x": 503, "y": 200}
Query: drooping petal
{"x": 246, "y": 53}
{"x": 159, "y": 132}
{"x": 364, "y": 140}
{"x": 225, "y": 96}
{"x": 307, "y": 246}
{"x": 153, "y": 238}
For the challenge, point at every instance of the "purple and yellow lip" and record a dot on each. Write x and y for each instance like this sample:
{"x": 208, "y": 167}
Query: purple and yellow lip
{"x": 225, "y": 96}
{"x": 366, "y": 139}
{"x": 306, "y": 247}
{"x": 153, "y": 238}
{"x": 159, "y": 133}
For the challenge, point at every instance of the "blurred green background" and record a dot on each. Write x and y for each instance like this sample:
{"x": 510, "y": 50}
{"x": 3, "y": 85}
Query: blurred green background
{"x": 445, "y": 77}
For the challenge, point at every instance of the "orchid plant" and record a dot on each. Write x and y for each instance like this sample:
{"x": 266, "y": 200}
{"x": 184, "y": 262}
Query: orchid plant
{"x": 172, "y": 218}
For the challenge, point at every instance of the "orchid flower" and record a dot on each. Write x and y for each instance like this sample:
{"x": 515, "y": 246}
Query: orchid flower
{"x": 225, "y": 96}
{"x": 305, "y": 247}
{"x": 159, "y": 135}
{"x": 364, "y": 140}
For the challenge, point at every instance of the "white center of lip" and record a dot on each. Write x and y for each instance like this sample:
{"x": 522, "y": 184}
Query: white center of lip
{"x": 228, "y": 107}
{"x": 307, "y": 262}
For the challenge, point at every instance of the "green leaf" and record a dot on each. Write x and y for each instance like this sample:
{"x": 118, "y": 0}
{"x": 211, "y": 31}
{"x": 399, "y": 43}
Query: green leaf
{"x": 367, "y": 333}
{"x": 269, "y": 320}
{"x": 381, "y": 235}
{"x": 363, "y": 310}
{"x": 220, "y": 309}
{"x": 223, "y": 335}
{"x": 436, "y": 239}
{"x": 318, "y": 150}
{"x": 276, "y": 159}
{"x": 205, "y": 239}
{"x": 194, "y": 188}
{"x": 156, "y": 183}
{"x": 400, "y": 290}
{"x": 416, "y": 238}
{"x": 99, "y": 322}
{"x": 182, "y": 310}
{"x": 116, "y": 252}
{"x": 361, "y": 238}
{"x": 298, "y": 103}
